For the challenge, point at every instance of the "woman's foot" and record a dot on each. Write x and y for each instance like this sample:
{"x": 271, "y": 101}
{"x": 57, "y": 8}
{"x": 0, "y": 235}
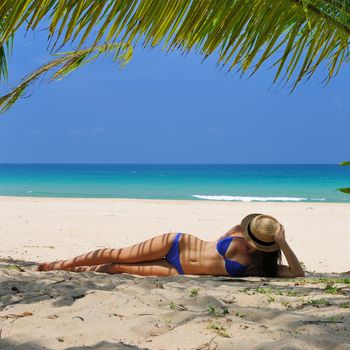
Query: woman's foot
{"x": 58, "y": 265}
{"x": 49, "y": 266}
{"x": 106, "y": 268}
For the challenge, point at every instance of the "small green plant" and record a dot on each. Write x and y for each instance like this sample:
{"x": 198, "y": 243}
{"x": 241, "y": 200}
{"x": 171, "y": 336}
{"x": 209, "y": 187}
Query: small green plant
{"x": 268, "y": 292}
{"x": 270, "y": 298}
{"x": 330, "y": 288}
{"x": 345, "y": 305}
{"x": 326, "y": 280}
{"x": 333, "y": 319}
{"x": 247, "y": 291}
{"x": 225, "y": 311}
{"x": 293, "y": 293}
{"x": 262, "y": 290}
{"x": 238, "y": 314}
{"x": 178, "y": 307}
{"x": 211, "y": 309}
{"x": 333, "y": 290}
{"x": 302, "y": 264}
{"x": 12, "y": 267}
{"x": 219, "y": 329}
{"x": 194, "y": 292}
{"x": 286, "y": 304}
{"x": 319, "y": 302}
{"x": 3, "y": 298}
{"x": 279, "y": 291}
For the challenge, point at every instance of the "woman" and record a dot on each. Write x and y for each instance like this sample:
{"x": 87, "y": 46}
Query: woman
{"x": 252, "y": 248}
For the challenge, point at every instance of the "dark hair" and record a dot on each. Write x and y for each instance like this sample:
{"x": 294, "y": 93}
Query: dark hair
{"x": 265, "y": 264}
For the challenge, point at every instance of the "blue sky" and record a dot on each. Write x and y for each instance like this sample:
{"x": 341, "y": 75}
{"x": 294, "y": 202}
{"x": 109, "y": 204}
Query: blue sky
{"x": 169, "y": 108}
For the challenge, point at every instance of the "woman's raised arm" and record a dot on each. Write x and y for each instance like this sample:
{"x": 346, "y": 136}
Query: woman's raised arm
{"x": 294, "y": 269}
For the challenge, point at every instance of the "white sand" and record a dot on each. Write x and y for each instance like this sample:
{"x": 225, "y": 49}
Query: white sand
{"x": 61, "y": 310}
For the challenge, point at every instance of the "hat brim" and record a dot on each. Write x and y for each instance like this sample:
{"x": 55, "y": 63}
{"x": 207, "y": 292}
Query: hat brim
{"x": 245, "y": 231}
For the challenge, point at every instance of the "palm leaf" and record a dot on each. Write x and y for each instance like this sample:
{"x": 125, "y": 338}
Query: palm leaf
{"x": 5, "y": 53}
{"x": 345, "y": 190}
{"x": 3, "y": 63}
{"x": 294, "y": 36}
{"x": 65, "y": 64}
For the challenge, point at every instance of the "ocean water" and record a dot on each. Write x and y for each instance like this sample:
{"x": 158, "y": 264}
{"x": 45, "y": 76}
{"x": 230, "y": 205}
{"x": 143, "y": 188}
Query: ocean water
{"x": 286, "y": 183}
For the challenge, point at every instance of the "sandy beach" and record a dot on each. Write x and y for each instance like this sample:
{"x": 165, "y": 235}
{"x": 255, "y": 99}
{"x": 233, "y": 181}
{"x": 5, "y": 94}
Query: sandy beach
{"x": 61, "y": 310}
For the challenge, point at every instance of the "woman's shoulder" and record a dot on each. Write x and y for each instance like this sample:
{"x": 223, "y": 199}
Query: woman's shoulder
{"x": 235, "y": 229}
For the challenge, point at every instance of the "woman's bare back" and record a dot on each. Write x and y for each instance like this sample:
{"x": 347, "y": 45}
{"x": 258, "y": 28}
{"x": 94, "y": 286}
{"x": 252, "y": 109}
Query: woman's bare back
{"x": 199, "y": 257}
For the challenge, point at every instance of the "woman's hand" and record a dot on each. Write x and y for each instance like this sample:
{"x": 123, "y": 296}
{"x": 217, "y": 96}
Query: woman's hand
{"x": 280, "y": 237}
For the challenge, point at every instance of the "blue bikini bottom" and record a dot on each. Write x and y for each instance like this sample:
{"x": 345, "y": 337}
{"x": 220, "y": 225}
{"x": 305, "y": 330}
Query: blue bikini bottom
{"x": 173, "y": 255}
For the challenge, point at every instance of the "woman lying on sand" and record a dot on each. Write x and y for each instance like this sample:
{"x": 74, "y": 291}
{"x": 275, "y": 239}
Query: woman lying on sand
{"x": 252, "y": 248}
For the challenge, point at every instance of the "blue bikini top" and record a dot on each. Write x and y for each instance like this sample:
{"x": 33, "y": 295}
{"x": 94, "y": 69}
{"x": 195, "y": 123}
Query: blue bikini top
{"x": 232, "y": 267}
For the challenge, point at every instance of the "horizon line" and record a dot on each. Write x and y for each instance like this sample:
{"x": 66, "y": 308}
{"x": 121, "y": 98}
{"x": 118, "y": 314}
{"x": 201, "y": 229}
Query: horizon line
{"x": 134, "y": 163}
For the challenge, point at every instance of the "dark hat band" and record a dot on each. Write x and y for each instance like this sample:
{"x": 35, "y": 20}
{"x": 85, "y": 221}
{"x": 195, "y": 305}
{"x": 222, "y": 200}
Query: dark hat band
{"x": 256, "y": 240}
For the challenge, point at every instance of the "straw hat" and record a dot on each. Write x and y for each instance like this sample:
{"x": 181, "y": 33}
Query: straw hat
{"x": 259, "y": 231}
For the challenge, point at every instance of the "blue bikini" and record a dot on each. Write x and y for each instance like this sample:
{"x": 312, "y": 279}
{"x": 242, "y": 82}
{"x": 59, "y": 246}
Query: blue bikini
{"x": 173, "y": 255}
{"x": 232, "y": 267}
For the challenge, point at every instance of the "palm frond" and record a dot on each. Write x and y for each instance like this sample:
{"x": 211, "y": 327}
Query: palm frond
{"x": 64, "y": 65}
{"x": 345, "y": 190}
{"x": 297, "y": 36}
{"x": 5, "y": 53}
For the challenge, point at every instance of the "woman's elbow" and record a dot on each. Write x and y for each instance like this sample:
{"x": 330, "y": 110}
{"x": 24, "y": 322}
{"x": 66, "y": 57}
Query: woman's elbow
{"x": 288, "y": 273}
{"x": 299, "y": 274}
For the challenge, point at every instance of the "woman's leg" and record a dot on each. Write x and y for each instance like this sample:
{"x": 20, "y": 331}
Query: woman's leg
{"x": 153, "y": 249}
{"x": 150, "y": 268}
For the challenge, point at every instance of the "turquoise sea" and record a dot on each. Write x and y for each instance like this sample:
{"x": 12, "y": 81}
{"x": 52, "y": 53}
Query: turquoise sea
{"x": 294, "y": 183}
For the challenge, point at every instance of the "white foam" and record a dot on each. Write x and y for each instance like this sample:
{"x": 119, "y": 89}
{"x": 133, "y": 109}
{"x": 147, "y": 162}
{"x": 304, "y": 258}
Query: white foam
{"x": 250, "y": 198}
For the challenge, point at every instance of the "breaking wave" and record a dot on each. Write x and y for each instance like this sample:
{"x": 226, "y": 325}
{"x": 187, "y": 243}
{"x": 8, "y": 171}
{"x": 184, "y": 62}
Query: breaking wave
{"x": 254, "y": 199}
